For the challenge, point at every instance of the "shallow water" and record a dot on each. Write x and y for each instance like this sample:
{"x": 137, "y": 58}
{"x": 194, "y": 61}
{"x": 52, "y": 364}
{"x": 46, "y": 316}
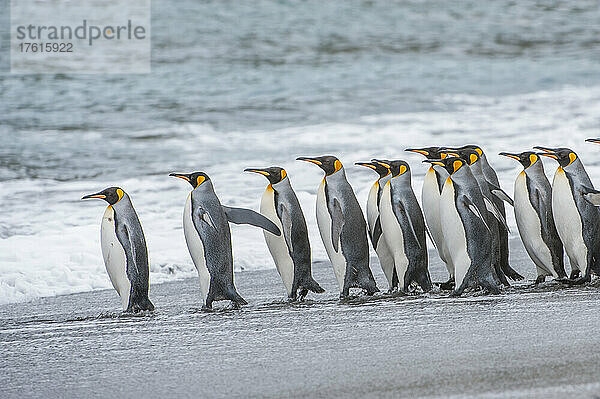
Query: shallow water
{"x": 259, "y": 84}
{"x": 527, "y": 342}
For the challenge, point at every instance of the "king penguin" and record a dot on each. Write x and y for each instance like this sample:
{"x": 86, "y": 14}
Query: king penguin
{"x": 343, "y": 228}
{"x": 430, "y": 198}
{"x": 533, "y": 212}
{"x": 290, "y": 250}
{"x": 466, "y": 232}
{"x": 492, "y": 177}
{"x": 386, "y": 258}
{"x": 490, "y": 192}
{"x": 208, "y": 237}
{"x": 404, "y": 228}
{"x": 124, "y": 250}
{"x": 577, "y": 219}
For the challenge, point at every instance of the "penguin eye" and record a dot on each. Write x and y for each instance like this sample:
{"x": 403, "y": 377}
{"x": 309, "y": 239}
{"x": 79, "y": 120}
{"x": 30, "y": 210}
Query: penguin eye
{"x": 572, "y": 157}
{"x": 532, "y": 159}
{"x": 200, "y": 180}
{"x": 456, "y": 165}
{"x": 337, "y": 165}
{"x": 473, "y": 158}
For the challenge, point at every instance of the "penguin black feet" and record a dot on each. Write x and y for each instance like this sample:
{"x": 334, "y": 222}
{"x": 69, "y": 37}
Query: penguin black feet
{"x": 512, "y": 274}
{"x": 540, "y": 280}
{"x": 578, "y": 281}
{"x": 448, "y": 285}
{"x": 302, "y": 294}
{"x": 575, "y": 273}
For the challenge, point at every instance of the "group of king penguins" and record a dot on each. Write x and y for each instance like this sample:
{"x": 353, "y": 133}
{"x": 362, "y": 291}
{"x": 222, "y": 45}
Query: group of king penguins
{"x": 462, "y": 212}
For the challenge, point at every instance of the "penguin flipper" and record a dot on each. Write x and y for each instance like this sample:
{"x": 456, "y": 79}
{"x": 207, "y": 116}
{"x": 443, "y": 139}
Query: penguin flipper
{"x": 591, "y": 195}
{"x": 473, "y": 208}
{"x": 377, "y": 232}
{"x": 286, "y": 222}
{"x": 337, "y": 222}
{"x": 401, "y": 214}
{"x": 494, "y": 211}
{"x": 500, "y": 194}
{"x": 248, "y": 216}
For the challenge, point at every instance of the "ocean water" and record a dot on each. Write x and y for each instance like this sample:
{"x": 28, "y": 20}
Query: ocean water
{"x": 258, "y": 84}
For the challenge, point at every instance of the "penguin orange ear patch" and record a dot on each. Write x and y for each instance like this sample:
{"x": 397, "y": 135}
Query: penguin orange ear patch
{"x": 456, "y": 165}
{"x": 337, "y": 165}
{"x": 572, "y": 157}
{"x": 479, "y": 151}
{"x": 200, "y": 180}
{"x": 532, "y": 159}
{"x": 120, "y": 193}
{"x": 403, "y": 170}
{"x": 283, "y": 174}
{"x": 473, "y": 158}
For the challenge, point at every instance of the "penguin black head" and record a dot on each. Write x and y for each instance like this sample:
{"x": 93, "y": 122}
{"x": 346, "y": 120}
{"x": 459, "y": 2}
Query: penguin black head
{"x": 472, "y": 147}
{"x": 526, "y": 158}
{"x": 195, "y": 178}
{"x": 377, "y": 167}
{"x": 274, "y": 174}
{"x": 396, "y": 168}
{"x": 328, "y": 163}
{"x": 428, "y": 152}
{"x": 564, "y": 156}
{"x": 112, "y": 195}
{"x": 451, "y": 164}
{"x": 469, "y": 155}
{"x": 597, "y": 141}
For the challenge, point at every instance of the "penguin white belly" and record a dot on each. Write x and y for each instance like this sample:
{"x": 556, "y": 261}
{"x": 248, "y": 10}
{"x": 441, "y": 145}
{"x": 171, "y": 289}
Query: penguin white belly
{"x": 430, "y": 197}
{"x": 277, "y": 244}
{"x": 393, "y": 234}
{"x": 453, "y": 229}
{"x": 114, "y": 256}
{"x": 196, "y": 248}
{"x": 568, "y": 221}
{"x": 530, "y": 229}
{"x": 324, "y": 222}
{"x": 384, "y": 254}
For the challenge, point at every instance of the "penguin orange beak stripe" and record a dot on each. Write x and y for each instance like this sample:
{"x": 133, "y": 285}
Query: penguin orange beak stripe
{"x": 367, "y": 164}
{"x": 418, "y": 151}
{"x": 545, "y": 149}
{"x": 101, "y": 196}
{"x": 184, "y": 177}
{"x": 507, "y": 154}
{"x": 597, "y": 141}
{"x": 549, "y": 155}
{"x": 381, "y": 162}
{"x": 311, "y": 160}
{"x": 259, "y": 171}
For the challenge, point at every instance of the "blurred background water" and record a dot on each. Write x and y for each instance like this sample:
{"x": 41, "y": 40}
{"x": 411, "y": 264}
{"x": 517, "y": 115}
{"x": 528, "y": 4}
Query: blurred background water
{"x": 253, "y": 84}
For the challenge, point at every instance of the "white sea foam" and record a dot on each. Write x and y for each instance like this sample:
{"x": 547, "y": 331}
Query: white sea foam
{"x": 49, "y": 239}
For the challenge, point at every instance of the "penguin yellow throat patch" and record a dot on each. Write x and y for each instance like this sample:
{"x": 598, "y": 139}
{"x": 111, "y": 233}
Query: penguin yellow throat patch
{"x": 270, "y": 188}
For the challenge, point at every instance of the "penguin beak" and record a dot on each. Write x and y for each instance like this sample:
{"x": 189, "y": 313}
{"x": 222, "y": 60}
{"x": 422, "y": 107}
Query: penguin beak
{"x": 597, "y": 141}
{"x": 547, "y": 154}
{"x": 418, "y": 151}
{"x": 367, "y": 164}
{"x": 434, "y": 162}
{"x": 508, "y": 154}
{"x": 545, "y": 149}
{"x": 97, "y": 195}
{"x": 311, "y": 160}
{"x": 181, "y": 176}
{"x": 385, "y": 164}
{"x": 259, "y": 171}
